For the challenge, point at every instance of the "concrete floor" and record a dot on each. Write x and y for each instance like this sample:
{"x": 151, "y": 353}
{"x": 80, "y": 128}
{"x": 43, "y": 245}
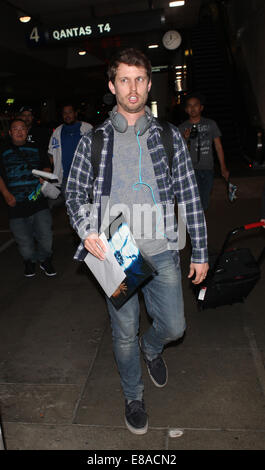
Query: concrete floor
{"x": 59, "y": 386}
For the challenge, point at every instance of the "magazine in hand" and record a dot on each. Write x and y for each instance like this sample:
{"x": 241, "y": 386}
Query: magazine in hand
{"x": 124, "y": 268}
{"x": 45, "y": 175}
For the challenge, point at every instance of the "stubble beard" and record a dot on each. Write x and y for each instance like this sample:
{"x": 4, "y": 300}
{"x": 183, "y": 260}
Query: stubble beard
{"x": 132, "y": 108}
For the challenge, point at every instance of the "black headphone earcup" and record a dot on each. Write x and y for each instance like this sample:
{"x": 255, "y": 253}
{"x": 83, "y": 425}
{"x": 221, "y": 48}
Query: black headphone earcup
{"x": 142, "y": 124}
{"x": 118, "y": 121}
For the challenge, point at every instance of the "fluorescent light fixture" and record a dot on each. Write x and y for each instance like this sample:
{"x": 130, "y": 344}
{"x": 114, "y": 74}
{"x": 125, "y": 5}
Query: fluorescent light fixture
{"x": 178, "y": 85}
{"x": 179, "y": 3}
{"x": 153, "y": 46}
{"x": 24, "y": 18}
{"x": 158, "y": 68}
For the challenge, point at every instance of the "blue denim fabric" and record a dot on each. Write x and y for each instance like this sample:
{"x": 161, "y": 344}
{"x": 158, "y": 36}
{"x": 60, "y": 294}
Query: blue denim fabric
{"x": 164, "y": 303}
{"x": 204, "y": 180}
{"x": 33, "y": 235}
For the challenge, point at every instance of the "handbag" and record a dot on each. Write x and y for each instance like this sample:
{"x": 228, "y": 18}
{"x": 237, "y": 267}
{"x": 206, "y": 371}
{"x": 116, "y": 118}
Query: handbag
{"x": 50, "y": 190}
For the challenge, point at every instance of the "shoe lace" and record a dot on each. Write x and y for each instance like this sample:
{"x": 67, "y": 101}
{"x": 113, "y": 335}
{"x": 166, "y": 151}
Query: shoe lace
{"x": 136, "y": 405}
{"x": 157, "y": 362}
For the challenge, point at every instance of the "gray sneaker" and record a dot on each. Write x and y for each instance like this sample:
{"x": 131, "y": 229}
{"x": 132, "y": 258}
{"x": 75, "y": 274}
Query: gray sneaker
{"x": 136, "y": 418}
{"x": 157, "y": 368}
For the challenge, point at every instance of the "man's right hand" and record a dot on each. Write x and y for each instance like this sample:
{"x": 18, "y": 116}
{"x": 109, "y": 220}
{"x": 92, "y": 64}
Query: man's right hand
{"x": 95, "y": 246}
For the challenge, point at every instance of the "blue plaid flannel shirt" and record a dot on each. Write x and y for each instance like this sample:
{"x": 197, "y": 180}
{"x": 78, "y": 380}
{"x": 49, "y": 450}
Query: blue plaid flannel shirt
{"x": 179, "y": 184}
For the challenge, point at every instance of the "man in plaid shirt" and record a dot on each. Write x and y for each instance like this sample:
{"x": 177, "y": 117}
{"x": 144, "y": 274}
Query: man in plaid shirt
{"x": 134, "y": 172}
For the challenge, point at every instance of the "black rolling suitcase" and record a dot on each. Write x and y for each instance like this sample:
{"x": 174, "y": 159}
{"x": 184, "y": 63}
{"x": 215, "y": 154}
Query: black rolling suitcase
{"x": 231, "y": 276}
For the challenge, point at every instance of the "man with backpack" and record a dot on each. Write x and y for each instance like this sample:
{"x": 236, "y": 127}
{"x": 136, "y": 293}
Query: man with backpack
{"x": 133, "y": 171}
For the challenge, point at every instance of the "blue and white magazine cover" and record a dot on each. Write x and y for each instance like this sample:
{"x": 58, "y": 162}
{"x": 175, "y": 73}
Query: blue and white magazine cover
{"x": 125, "y": 267}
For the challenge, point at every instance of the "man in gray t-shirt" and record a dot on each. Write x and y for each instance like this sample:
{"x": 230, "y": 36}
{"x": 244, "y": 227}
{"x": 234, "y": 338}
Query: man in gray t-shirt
{"x": 200, "y": 134}
{"x": 134, "y": 173}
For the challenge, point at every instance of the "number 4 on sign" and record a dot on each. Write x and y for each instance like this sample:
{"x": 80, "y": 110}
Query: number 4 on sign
{"x": 34, "y": 35}
{"x": 104, "y": 27}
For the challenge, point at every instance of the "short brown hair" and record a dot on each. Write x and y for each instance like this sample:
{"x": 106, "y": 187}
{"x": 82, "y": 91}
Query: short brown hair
{"x": 129, "y": 56}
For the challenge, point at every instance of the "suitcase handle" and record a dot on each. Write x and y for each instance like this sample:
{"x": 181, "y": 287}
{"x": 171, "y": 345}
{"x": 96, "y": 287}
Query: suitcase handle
{"x": 234, "y": 232}
{"x": 254, "y": 225}
{"x": 240, "y": 229}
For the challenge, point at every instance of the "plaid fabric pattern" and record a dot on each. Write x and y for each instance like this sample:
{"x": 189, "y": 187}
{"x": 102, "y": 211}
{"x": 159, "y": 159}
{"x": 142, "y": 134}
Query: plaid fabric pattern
{"x": 180, "y": 183}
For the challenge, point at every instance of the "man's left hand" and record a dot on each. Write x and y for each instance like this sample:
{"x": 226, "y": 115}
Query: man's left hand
{"x": 200, "y": 270}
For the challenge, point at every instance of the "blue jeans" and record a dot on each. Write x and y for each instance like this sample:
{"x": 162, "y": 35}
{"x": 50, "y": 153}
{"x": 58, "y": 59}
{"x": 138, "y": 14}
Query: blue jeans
{"x": 33, "y": 235}
{"x": 204, "y": 180}
{"x": 164, "y": 303}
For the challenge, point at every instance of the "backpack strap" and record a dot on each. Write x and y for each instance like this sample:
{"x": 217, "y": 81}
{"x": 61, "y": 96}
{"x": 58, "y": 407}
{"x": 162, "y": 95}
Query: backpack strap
{"x": 96, "y": 149}
{"x": 167, "y": 141}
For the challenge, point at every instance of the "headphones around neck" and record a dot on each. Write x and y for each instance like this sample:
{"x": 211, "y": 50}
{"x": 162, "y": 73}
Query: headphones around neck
{"x": 120, "y": 123}
{"x": 143, "y": 123}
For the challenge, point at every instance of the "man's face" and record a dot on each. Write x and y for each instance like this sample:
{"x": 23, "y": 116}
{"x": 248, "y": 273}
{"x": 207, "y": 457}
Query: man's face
{"x": 18, "y": 132}
{"x": 27, "y": 117}
{"x": 131, "y": 88}
{"x": 194, "y": 108}
{"x": 69, "y": 115}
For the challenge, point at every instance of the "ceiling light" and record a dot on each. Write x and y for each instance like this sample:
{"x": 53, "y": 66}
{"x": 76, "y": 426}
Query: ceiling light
{"x": 153, "y": 46}
{"x": 154, "y": 108}
{"x": 158, "y": 68}
{"x": 179, "y": 3}
{"x": 82, "y": 52}
{"x": 24, "y": 18}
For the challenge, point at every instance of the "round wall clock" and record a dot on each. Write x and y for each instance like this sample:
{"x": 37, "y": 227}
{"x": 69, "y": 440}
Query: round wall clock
{"x": 171, "y": 40}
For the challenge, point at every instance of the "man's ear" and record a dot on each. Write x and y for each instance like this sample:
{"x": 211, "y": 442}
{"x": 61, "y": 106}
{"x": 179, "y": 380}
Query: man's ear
{"x": 149, "y": 85}
{"x": 112, "y": 87}
{"x": 202, "y": 107}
